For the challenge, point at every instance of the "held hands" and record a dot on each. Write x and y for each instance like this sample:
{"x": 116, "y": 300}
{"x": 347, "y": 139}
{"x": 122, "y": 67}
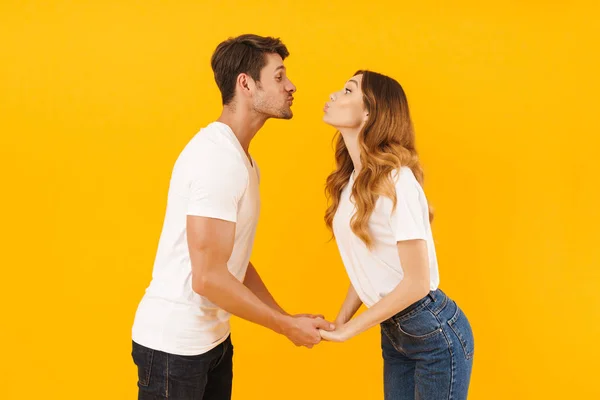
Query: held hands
{"x": 339, "y": 334}
{"x": 304, "y": 329}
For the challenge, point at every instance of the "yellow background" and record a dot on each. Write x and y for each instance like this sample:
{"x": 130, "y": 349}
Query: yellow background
{"x": 98, "y": 98}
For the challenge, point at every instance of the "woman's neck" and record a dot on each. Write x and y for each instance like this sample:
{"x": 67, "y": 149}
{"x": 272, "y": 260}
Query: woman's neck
{"x": 351, "y": 140}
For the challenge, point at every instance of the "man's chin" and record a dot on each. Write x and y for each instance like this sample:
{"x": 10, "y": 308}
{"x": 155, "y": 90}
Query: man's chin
{"x": 286, "y": 114}
{"x": 283, "y": 115}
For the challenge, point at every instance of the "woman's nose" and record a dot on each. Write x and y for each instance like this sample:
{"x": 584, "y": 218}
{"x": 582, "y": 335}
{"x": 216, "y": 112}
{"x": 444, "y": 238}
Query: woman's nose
{"x": 331, "y": 97}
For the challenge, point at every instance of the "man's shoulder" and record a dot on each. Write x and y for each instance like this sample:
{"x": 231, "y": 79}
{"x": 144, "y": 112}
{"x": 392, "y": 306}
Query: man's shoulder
{"x": 208, "y": 146}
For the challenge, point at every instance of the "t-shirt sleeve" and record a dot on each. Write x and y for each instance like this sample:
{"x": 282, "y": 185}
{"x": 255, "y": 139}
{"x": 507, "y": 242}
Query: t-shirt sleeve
{"x": 217, "y": 186}
{"x": 257, "y": 170}
{"x": 407, "y": 219}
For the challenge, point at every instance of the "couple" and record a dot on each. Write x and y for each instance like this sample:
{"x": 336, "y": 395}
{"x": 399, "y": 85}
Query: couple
{"x": 379, "y": 216}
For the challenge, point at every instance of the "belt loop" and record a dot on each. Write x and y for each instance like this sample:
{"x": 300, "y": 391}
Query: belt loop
{"x": 430, "y": 294}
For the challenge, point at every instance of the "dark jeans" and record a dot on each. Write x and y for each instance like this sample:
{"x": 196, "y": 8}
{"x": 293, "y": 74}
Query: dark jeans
{"x": 427, "y": 351}
{"x": 206, "y": 376}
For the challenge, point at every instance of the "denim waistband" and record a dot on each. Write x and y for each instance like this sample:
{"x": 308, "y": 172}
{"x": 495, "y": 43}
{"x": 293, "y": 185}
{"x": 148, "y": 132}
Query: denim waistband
{"x": 436, "y": 297}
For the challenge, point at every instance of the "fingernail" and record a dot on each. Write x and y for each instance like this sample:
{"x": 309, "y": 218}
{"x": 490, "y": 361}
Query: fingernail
{"x": 331, "y": 326}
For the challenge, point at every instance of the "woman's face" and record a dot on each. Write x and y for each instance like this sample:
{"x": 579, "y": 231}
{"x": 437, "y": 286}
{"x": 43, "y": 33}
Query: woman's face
{"x": 346, "y": 108}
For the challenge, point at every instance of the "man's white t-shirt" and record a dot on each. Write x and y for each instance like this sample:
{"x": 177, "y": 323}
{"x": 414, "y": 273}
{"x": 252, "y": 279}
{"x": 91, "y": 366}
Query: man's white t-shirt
{"x": 213, "y": 177}
{"x": 375, "y": 273}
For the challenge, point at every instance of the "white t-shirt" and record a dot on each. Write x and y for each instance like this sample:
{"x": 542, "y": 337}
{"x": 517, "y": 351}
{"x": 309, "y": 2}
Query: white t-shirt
{"x": 375, "y": 273}
{"x": 213, "y": 178}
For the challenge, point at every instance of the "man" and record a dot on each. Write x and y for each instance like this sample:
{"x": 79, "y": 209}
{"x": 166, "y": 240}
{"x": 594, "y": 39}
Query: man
{"x": 202, "y": 272}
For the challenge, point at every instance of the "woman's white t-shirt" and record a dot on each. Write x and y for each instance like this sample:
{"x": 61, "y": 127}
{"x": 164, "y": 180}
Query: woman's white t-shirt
{"x": 376, "y": 272}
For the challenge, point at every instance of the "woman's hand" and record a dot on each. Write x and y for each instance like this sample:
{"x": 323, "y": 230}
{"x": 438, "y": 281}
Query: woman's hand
{"x": 340, "y": 334}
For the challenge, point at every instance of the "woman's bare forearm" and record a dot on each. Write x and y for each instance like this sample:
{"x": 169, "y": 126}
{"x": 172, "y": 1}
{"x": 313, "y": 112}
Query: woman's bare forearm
{"x": 350, "y": 306}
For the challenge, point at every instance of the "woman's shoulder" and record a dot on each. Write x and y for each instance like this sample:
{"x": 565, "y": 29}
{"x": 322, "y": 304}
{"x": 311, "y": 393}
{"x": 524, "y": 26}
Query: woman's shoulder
{"x": 404, "y": 178}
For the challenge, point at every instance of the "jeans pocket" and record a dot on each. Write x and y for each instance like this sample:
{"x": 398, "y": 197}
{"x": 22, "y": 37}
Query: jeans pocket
{"x": 192, "y": 371}
{"x": 388, "y": 329}
{"x": 421, "y": 325}
{"x": 462, "y": 329}
{"x": 142, "y": 357}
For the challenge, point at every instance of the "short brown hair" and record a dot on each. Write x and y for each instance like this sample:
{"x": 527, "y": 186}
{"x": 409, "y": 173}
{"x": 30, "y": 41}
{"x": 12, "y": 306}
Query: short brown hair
{"x": 242, "y": 54}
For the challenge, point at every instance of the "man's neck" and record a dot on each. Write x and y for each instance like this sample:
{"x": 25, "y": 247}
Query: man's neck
{"x": 244, "y": 124}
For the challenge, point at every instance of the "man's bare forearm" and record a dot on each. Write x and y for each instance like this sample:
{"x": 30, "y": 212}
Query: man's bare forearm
{"x": 254, "y": 282}
{"x": 224, "y": 290}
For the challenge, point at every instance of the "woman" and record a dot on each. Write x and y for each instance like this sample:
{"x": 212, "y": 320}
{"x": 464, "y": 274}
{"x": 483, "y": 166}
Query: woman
{"x": 381, "y": 222}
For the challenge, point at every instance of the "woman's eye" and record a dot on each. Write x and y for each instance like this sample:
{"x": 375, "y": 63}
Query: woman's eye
{"x": 346, "y": 91}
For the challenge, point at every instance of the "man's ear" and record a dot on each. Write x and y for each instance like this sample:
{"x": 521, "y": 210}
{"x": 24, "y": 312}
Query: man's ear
{"x": 245, "y": 84}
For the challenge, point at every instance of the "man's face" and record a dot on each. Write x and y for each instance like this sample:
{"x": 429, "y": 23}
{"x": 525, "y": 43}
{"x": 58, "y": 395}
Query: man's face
{"x": 274, "y": 93}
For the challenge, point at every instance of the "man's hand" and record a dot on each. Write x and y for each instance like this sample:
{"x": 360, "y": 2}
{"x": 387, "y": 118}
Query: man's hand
{"x": 304, "y": 331}
{"x": 309, "y": 316}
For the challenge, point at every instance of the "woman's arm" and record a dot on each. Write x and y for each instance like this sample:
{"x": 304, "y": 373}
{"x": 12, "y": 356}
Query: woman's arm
{"x": 413, "y": 287}
{"x": 350, "y": 306}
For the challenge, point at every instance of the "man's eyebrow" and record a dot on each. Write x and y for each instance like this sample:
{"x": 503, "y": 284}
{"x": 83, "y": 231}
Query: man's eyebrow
{"x": 280, "y": 67}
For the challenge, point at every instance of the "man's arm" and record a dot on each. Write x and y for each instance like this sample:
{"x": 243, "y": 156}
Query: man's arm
{"x": 210, "y": 243}
{"x": 253, "y": 282}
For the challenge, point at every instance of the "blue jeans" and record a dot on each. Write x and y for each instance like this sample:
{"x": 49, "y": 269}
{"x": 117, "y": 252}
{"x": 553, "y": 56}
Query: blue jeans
{"x": 427, "y": 351}
{"x": 163, "y": 375}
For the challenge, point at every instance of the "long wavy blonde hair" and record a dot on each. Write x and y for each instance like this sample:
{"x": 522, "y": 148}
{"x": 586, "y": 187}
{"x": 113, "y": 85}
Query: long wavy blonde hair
{"x": 386, "y": 142}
